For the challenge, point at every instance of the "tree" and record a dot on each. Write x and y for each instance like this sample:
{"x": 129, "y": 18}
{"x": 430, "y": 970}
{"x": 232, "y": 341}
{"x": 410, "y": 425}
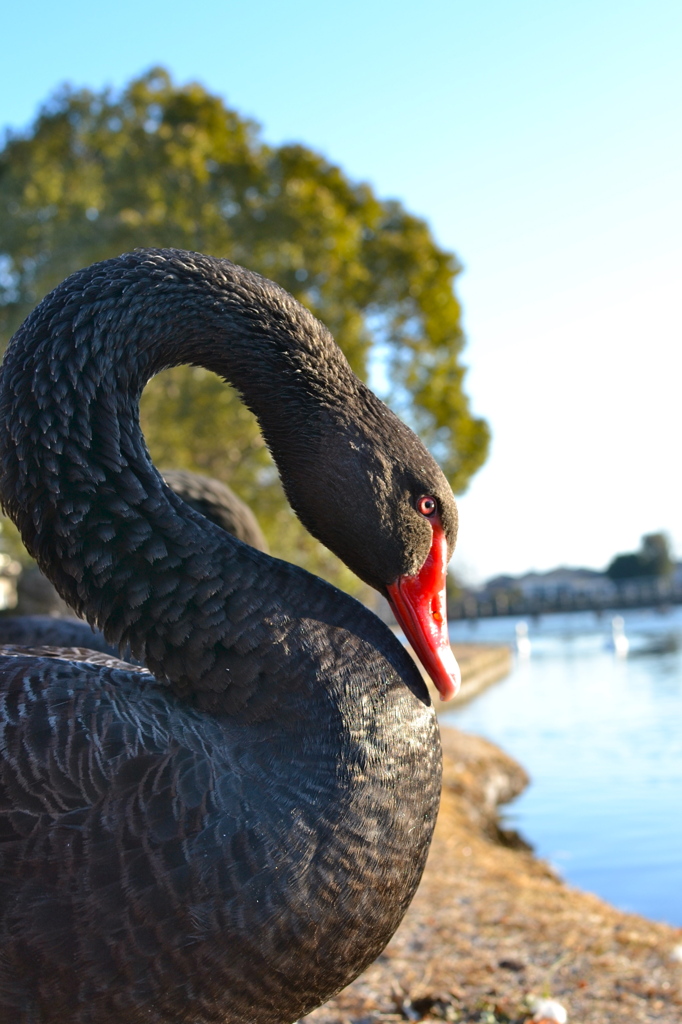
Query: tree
{"x": 655, "y": 555}
{"x": 624, "y": 567}
{"x": 98, "y": 174}
{"x": 653, "y": 559}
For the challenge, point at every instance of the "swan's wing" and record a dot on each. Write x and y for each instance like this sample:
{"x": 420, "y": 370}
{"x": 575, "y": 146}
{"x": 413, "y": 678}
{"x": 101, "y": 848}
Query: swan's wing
{"x": 82, "y": 736}
{"x": 84, "y": 654}
{"x": 106, "y": 788}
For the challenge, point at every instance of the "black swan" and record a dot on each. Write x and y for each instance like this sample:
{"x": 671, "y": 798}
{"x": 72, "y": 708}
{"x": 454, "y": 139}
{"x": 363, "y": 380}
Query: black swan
{"x": 210, "y": 497}
{"x": 233, "y": 834}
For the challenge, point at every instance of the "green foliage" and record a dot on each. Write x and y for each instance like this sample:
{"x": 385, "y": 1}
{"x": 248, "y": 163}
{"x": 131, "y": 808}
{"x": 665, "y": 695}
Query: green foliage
{"x": 624, "y": 567}
{"x": 158, "y": 165}
{"x": 653, "y": 559}
{"x": 11, "y": 543}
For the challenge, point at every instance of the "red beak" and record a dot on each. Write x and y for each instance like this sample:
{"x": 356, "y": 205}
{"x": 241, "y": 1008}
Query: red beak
{"x": 418, "y": 603}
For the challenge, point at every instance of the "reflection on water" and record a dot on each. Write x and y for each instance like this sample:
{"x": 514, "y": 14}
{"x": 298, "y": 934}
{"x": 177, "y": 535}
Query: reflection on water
{"x": 600, "y": 732}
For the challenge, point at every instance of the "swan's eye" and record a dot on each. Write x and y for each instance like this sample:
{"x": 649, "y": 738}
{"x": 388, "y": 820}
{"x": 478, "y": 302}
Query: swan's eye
{"x": 426, "y": 505}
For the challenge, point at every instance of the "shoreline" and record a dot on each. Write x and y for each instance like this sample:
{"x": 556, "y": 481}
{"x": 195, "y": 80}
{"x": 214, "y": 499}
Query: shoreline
{"x": 482, "y": 665}
{"x": 492, "y": 925}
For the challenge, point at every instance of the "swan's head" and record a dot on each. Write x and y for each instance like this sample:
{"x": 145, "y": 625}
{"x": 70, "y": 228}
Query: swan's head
{"x": 370, "y": 491}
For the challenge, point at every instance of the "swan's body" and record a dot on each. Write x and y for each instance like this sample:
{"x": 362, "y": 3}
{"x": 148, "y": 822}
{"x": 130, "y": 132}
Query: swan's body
{"x": 235, "y": 836}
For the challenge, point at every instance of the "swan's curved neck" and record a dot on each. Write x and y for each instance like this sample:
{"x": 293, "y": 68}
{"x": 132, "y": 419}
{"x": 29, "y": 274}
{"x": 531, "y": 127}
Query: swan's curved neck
{"x": 77, "y": 478}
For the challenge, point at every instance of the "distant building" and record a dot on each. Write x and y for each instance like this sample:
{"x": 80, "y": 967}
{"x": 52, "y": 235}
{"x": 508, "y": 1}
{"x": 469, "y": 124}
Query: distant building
{"x": 564, "y": 589}
{"x": 555, "y": 583}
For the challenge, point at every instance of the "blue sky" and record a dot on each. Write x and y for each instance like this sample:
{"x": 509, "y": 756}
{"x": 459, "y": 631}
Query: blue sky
{"x": 542, "y": 142}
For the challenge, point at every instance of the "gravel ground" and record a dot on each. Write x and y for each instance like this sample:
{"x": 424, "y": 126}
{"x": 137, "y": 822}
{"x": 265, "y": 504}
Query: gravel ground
{"x": 491, "y": 927}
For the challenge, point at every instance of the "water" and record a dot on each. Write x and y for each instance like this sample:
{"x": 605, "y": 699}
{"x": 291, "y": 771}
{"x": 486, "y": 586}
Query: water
{"x": 601, "y": 736}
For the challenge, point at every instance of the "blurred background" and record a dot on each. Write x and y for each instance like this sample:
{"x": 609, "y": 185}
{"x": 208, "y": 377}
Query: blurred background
{"x": 482, "y": 201}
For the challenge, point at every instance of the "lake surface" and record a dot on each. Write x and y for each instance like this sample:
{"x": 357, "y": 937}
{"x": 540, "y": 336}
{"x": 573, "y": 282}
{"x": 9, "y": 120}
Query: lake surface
{"x": 601, "y": 737}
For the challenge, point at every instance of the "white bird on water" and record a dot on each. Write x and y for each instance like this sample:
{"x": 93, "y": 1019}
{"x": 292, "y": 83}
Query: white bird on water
{"x": 619, "y": 643}
{"x": 523, "y": 644}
